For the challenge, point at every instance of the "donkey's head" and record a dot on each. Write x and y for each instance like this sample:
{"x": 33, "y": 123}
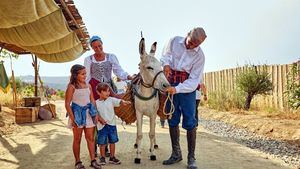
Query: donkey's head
{"x": 150, "y": 68}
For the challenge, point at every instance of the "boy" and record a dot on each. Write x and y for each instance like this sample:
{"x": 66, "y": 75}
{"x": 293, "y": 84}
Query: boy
{"x": 107, "y": 131}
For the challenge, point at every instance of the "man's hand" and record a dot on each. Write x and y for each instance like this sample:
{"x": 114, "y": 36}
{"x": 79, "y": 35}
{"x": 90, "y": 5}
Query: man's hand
{"x": 167, "y": 70}
{"x": 171, "y": 90}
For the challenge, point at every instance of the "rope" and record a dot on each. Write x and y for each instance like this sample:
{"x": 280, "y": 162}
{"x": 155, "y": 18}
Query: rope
{"x": 172, "y": 108}
{"x": 123, "y": 125}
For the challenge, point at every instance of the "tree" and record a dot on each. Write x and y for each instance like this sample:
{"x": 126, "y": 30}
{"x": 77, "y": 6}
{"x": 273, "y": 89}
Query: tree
{"x": 253, "y": 83}
{"x": 6, "y": 54}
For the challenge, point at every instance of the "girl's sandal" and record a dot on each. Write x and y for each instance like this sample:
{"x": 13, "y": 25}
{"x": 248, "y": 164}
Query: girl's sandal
{"x": 79, "y": 165}
{"x": 95, "y": 165}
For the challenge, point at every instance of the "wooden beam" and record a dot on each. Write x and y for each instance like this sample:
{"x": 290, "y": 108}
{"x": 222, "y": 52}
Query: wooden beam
{"x": 64, "y": 5}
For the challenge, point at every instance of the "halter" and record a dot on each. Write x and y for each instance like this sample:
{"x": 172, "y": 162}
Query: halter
{"x": 152, "y": 84}
{"x": 154, "y": 93}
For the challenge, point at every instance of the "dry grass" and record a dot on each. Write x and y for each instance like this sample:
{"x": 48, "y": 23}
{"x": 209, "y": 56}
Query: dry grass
{"x": 7, "y": 121}
{"x": 275, "y": 114}
{"x": 6, "y": 99}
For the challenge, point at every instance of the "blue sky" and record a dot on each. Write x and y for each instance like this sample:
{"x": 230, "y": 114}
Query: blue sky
{"x": 238, "y": 31}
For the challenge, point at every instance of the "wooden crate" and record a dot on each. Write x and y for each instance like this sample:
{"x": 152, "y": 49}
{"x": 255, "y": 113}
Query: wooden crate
{"x": 26, "y": 114}
{"x": 32, "y": 101}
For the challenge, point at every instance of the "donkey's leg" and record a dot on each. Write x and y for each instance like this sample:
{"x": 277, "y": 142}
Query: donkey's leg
{"x": 155, "y": 145}
{"x": 139, "y": 136}
{"x": 152, "y": 136}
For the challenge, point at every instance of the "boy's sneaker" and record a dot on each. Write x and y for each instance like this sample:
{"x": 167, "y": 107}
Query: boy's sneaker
{"x": 114, "y": 160}
{"x": 102, "y": 161}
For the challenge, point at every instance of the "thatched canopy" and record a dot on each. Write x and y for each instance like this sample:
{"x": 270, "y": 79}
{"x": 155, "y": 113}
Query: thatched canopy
{"x": 53, "y": 30}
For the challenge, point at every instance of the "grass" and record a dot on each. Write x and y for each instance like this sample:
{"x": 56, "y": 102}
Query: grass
{"x": 226, "y": 100}
{"x": 6, "y": 99}
{"x": 233, "y": 101}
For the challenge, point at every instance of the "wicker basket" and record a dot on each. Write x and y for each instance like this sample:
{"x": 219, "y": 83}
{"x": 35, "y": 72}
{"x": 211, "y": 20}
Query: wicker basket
{"x": 51, "y": 108}
{"x": 160, "y": 113}
{"x": 127, "y": 112}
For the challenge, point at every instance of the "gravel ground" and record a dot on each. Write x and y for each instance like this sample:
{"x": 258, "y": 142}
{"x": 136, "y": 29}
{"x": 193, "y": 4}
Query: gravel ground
{"x": 289, "y": 153}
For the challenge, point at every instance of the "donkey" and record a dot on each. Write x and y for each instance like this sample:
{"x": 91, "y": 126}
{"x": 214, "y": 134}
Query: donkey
{"x": 152, "y": 79}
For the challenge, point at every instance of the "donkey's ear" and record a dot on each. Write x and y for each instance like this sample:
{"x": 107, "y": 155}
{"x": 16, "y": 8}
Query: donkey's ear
{"x": 142, "y": 47}
{"x": 153, "y": 48}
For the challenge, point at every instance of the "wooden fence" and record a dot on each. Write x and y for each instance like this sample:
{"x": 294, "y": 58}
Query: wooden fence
{"x": 225, "y": 80}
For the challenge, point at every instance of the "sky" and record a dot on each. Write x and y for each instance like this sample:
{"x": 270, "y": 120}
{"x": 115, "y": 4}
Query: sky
{"x": 238, "y": 31}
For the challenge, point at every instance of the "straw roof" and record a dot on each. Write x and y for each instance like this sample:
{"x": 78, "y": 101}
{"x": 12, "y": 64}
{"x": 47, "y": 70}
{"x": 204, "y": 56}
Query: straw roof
{"x": 53, "y": 30}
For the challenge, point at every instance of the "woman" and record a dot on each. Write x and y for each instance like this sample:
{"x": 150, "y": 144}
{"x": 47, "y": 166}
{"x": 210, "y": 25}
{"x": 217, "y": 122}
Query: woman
{"x": 100, "y": 66}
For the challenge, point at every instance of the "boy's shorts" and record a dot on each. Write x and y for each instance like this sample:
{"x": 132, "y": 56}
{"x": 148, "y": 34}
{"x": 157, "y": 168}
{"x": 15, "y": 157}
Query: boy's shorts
{"x": 107, "y": 134}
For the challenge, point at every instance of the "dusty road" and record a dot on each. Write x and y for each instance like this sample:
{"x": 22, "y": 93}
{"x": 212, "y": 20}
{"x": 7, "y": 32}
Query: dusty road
{"x": 47, "y": 145}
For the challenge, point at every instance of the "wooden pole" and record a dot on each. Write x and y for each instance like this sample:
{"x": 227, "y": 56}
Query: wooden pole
{"x": 34, "y": 64}
{"x": 0, "y": 54}
{"x": 15, "y": 98}
{"x": 35, "y": 77}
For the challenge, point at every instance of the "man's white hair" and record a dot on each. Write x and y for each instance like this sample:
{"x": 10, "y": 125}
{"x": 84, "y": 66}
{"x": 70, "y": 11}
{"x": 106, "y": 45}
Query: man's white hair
{"x": 196, "y": 33}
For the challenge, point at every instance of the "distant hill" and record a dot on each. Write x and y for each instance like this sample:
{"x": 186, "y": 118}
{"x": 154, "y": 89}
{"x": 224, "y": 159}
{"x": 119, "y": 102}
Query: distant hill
{"x": 59, "y": 82}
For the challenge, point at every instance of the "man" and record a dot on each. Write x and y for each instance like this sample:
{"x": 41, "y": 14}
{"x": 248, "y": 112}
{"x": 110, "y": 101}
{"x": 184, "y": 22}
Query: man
{"x": 183, "y": 62}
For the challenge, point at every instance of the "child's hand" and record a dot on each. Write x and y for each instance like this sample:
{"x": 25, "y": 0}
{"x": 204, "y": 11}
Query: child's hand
{"x": 124, "y": 102}
{"x": 102, "y": 121}
{"x": 73, "y": 122}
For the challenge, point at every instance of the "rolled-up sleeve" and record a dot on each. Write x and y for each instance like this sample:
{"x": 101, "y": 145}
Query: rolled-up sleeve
{"x": 117, "y": 69}
{"x": 87, "y": 65}
{"x": 166, "y": 57}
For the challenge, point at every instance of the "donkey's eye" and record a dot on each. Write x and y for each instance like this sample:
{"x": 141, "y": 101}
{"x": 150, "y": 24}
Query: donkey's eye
{"x": 149, "y": 67}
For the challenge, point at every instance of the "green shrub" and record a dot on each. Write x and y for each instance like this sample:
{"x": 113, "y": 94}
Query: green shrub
{"x": 61, "y": 94}
{"x": 28, "y": 90}
{"x": 253, "y": 83}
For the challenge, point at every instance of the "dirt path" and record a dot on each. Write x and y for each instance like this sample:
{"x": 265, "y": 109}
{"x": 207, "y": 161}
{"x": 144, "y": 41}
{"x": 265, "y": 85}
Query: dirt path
{"x": 47, "y": 145}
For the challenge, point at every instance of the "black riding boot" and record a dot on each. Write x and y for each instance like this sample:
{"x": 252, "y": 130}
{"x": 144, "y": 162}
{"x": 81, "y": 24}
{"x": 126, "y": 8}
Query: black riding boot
{"x": 176, "y": 152}
{"x": 191, "y": 140}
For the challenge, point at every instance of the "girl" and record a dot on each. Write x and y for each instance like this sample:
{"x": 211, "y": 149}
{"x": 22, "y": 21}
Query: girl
{"x": 79, "y": 103}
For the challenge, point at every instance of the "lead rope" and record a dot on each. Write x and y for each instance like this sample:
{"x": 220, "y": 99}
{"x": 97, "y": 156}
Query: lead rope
{"x": 172, "y": 108}
{"x": 123, "y": 125}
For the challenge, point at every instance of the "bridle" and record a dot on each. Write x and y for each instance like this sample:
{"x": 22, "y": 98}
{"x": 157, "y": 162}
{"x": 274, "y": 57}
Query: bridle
{"x": 140, "y": 79}
{"x": 153, "y": 81}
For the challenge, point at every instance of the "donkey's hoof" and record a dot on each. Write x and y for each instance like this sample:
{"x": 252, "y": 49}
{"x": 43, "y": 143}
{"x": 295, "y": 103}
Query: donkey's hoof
{"x": 135, "y": 146}
{"x": 137, "y": 161}
{"x": 155, "y": 146}
{"x": 153, "y": 157}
